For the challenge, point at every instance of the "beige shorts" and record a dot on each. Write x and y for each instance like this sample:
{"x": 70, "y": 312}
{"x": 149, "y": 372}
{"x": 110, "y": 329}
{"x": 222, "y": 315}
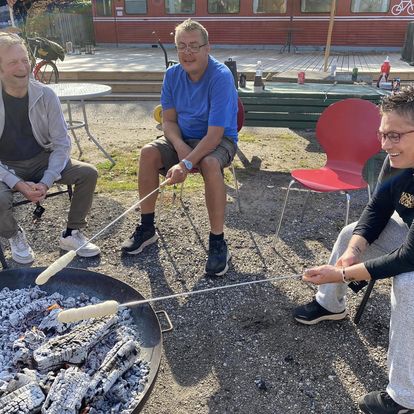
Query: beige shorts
{"x": 224, "y": 153}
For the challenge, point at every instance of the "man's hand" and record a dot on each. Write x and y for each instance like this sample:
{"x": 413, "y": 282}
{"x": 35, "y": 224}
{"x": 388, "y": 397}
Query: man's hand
{"x": 177, "y": 174}
{"x": 323, "y": 274}
{"x": 31, "y": 191}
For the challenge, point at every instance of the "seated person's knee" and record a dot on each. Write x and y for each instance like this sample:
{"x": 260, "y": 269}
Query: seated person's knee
{"x": 210, "y": 164}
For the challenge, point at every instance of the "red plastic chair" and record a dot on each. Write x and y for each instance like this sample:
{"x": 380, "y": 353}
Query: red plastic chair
{"x": 347, "y": 131}
{"x": 240, "y": 122}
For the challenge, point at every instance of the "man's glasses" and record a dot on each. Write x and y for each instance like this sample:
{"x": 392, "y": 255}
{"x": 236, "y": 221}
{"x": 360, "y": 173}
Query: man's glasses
{"x": 193, "y": 48}
{"x": 394, "y": 137}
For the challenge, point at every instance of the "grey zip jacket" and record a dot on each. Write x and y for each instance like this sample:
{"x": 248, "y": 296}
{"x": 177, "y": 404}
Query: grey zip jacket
{"x": 49, "y": 129}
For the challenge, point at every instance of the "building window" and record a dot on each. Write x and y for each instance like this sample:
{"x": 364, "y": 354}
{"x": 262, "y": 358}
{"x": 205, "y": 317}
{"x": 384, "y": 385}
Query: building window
{"x": 269, "y": 6}
{"x": 373, "y": 6}
{"x": 315, "y": 6}
{"x": 104, "y": 7}
{"x": 180, "y": 6}
{"x": 223, "y": 6}
{"x": 136, "y": 6}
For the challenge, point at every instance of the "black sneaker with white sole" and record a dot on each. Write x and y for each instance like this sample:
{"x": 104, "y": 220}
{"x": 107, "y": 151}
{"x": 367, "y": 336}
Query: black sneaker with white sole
{"x": 379, "y": 402}
{"x": 141, "y": 238}
{"x": 218, "y": 258}
{"x": 313, "y": 313}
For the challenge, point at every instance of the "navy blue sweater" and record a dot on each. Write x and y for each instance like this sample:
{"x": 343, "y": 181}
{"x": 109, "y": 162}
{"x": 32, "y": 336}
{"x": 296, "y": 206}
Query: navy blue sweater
{"x": 394, "y": 192}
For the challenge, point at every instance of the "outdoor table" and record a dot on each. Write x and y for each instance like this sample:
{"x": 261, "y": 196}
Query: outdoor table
{"x": 290, "y": 105}
{"x": 75, "y": 91}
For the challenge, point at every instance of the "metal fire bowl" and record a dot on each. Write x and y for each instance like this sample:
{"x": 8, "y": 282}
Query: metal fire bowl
{"x": 73, "y": 282}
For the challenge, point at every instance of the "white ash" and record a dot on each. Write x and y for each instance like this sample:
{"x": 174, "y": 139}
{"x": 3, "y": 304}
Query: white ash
{"x": 107, "y": 354}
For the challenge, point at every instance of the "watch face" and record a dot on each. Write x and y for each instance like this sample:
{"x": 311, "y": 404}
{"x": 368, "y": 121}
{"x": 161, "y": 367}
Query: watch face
{"x": 188, "y": 164}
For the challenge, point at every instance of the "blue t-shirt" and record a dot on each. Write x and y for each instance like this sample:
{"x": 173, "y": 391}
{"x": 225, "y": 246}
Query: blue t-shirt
{"x": 211, "y": 101}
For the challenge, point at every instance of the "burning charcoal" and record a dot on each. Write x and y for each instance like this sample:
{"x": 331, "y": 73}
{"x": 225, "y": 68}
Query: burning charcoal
{"x": 67, "y": 392}
{"x": 119, "y": 359}
{"x": 25, "y": 400}
{"x": 24, "y": 346}
{"x": 32, "y": 309}
{"x": 74, "y": 346}
{"x": 50, "y": 322}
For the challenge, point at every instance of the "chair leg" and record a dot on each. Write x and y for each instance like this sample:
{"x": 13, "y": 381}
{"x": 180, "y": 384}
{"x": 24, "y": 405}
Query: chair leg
{"x": 2, "y": 258}
{"x": 236, "y": 184}
{"x": 364, "y": 301}
{"x": 348, "y": 202}
{"x": 284, "y": 207}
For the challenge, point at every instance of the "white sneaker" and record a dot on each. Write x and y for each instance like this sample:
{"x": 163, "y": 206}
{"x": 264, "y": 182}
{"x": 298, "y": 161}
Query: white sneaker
{"x": 76, "y": 240}
{"x": 20, "y": 248}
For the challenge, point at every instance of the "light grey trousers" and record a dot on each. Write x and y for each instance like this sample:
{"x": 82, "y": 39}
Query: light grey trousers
{"x": 332, "y": 296}
{"x": 82, "y": 175}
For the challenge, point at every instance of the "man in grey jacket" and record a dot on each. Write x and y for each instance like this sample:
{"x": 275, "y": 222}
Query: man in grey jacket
{"x": 35, "y": 153}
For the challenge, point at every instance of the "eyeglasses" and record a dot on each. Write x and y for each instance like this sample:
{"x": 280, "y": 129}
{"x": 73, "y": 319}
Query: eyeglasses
{"x": 193, "y": 48}
{"x": 394, "y": 137}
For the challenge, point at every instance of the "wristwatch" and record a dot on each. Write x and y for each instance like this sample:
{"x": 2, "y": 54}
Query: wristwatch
{"x": 188, "y": 164}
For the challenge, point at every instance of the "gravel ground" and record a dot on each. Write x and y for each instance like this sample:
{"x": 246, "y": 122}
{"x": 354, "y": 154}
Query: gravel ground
{"x": 236, "y": 350}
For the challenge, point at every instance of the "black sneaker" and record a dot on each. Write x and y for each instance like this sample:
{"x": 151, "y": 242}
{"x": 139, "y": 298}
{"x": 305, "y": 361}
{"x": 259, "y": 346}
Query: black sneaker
{"x": 379, "y": 402}
{"x": 139, "y": 240}
{"x": 313, "y": 313}
{"x": 218, "y": 258}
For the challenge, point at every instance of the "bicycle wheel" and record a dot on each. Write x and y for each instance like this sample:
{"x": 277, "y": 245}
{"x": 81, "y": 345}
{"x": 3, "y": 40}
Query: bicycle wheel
{"x": 396, "y": 9}
{"x": 410, "y": 9}
{"x": 46, "y": 72}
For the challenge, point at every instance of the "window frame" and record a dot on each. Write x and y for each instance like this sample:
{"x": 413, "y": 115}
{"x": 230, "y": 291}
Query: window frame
{"x": 140, "y": 14}
{"x": 362, "y": 12}
{"x": 223, "y": 13}
{"x": 269, "y": 12}
{"x": 181, "y": 13}
{"x": 318, "y": 12}
{"x": 111, "y": 2}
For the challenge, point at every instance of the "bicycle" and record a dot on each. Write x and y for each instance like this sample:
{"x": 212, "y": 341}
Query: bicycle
{"x": 403, "y": 5}
{"x": 46, "y": 70}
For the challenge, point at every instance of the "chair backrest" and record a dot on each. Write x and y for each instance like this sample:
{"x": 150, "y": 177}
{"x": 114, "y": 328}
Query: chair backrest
{"x": 240, "y": 114}
{"x": 347, "y": 131}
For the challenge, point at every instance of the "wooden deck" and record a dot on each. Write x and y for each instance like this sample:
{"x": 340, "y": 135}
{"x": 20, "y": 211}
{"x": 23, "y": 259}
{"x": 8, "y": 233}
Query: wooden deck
{"x": 151, "y": 60}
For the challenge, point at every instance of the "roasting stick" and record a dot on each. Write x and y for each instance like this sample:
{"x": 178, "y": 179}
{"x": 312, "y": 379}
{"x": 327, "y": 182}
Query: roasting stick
{"x": 64, "y": 260}
{"x": 111, "y": 307}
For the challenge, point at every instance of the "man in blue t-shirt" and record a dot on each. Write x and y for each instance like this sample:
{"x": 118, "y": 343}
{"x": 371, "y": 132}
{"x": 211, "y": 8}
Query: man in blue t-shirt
{"x": 199, "y": 103}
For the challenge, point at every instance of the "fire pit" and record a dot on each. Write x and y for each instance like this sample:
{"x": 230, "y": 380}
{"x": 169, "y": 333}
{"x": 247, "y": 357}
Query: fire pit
{"x": 76, "y": 282}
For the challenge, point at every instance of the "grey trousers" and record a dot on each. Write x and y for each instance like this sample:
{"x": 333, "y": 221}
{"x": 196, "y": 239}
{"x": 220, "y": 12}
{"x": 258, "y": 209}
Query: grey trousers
{"x": 332, "y": 296}
{"x": 79, "y": 174}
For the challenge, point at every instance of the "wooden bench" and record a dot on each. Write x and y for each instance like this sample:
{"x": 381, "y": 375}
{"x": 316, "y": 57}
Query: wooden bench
{"x": 289, "y": 105}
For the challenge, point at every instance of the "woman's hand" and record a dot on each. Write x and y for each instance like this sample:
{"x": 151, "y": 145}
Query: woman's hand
{"x": 350, "y": 257}
{"x": 323, "y": 274}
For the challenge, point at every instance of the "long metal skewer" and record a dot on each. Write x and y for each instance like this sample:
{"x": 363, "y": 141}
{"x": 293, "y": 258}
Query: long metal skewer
{"x": 64, "y": 260}
{"x": 111, "y": 307}
{"x": 133, "y": 207}
{"x": 194, "y": 292}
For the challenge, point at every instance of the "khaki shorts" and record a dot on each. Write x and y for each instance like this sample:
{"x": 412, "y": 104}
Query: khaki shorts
{"x": 224, "y": 153}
